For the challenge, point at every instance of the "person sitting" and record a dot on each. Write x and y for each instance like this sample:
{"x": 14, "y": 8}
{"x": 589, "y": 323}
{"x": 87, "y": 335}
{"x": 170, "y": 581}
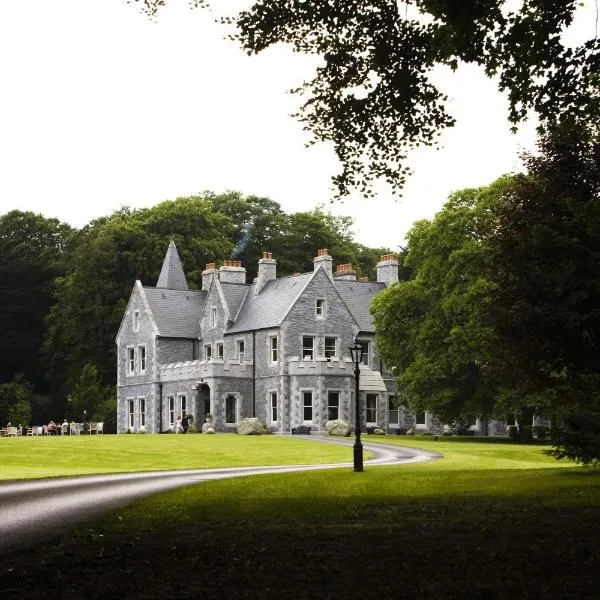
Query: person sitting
{"x": 51, "y": 428}
{"x": 178, "y": 426}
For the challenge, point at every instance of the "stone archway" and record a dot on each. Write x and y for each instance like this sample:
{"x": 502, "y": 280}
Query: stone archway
{"x": 202, "y": 403}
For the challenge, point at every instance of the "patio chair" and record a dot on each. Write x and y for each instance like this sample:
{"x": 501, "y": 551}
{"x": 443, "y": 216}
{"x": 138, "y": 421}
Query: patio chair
{"x": 100, "y": 427}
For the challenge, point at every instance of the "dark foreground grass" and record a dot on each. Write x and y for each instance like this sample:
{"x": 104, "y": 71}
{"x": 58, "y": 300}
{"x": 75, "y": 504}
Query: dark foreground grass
{"x": 481, "y": 523}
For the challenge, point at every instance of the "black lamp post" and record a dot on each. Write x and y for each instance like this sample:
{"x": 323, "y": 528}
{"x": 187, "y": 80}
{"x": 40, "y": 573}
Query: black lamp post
{"x": 356, "y": 352}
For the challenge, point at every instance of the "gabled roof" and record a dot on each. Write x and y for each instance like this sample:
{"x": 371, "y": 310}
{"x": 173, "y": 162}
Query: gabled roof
{"x": 358, "y": 295}
{"x": 176, "y": 312}
{"x": 171, "y": 275}
{"x": 269, "y": 308}
{"x": 234, "y": 294}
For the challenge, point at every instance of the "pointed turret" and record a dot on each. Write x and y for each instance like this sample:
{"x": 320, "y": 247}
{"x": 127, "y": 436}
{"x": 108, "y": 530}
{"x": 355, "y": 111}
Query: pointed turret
{"x": 172, "y": 276}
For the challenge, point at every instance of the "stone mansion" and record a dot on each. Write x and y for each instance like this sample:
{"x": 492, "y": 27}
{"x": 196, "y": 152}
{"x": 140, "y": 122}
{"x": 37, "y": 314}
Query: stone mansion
{"x": 276, "y": 349}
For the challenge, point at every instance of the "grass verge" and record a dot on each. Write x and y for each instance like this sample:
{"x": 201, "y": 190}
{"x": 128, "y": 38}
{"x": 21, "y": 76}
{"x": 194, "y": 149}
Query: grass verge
{"x": 487, "y": 521}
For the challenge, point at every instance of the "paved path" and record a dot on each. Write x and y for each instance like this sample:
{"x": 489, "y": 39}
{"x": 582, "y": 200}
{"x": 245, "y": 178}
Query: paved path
{"x": 34, "y": 511}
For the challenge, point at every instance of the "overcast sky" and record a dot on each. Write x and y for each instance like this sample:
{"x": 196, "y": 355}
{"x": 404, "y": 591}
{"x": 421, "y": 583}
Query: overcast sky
{"x": 102, "y": 108}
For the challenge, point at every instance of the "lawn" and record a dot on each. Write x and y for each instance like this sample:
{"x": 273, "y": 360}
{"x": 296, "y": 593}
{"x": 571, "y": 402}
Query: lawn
{"x": 58, "y": 456}
{"x": 489, "y": 520}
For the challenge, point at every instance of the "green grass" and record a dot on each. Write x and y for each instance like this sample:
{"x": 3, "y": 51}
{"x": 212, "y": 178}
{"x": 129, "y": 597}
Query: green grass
{"x": 489, "y": 520}
{"x": 56, "y": 456}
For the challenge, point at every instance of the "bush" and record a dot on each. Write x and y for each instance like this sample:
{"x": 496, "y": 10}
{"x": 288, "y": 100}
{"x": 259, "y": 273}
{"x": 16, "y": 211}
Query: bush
{"x": 192, "y": 429}
{"x": 513, "y": 432}
{"x": 401, "y": 431}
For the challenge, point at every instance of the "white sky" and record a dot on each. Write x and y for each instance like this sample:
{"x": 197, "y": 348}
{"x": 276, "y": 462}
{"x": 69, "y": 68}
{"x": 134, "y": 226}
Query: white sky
{"x": 102, "y": 108}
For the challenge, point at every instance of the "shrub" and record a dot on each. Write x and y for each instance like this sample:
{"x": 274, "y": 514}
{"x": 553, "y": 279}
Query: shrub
{"x": 401, "y": 431}
{"x": 513, "y": 432}
{"x": 541, "y": 431}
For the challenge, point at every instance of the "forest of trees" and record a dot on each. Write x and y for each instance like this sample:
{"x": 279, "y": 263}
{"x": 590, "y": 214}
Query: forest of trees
{"x": 64, "y": 290}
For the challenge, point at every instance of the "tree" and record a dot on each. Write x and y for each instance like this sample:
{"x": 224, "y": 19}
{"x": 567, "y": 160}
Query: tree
{"x": 88, "y": 395}
{"x": 545, "y": 269}
{"x": 431, "y": 333}
{"x": 372, "y": 96}
{"x": 32, "y": 250}
{"x": 16, "y": 400}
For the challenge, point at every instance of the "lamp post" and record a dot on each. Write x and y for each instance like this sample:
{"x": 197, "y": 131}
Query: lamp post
{"x": 356, "y": 351}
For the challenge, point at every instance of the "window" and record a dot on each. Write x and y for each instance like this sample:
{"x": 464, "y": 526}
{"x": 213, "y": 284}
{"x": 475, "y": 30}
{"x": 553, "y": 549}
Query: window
{"x": 393, "y": 411}
{"x": 136, "y": 320}
{"x": 273, "y": 406}
{"x": 219, "y": 350}
{"x": 320, "y": 308}
{"x": 142, "y": 358}
{"x": 308, "y": 347}
{"x": 241, "y": 350}
{"x": 230, "y": 409}
{"x": 208, "y": 351}
{"x": 365, "y": 352}
{"x": 142, "y": 409}
{"x": 171, "y": 402}
{"x": 420, "y": 418}
{"x": 183, "y": 404}
{"x": 307, "y": 406}
{"x": 130, "y": 361}
{"x": 274, "y": 349}
{"x": 213, "y": 317}
{"x": 330, "y": 347}
{"x": 131, "y": 414}
{"x": 333, "y": 405}
{"x": 371, "y": 408}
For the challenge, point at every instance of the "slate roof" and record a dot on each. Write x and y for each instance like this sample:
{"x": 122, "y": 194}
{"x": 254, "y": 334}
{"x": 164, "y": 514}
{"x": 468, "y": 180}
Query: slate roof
{"x": 171, "y": 275}
{"x": 268, "y": 308}
{"x": 358, "y": 295}
{"x": 176, "y": 312}
{"x": 234, "y": 296}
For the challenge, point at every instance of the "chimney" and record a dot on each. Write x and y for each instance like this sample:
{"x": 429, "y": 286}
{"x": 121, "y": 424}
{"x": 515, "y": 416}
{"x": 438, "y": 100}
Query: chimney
{"x": 208, "y": 274}
{"x": 325, "y": 261}
{"x": 232, "y": 272}
{"x": 345, "y": 272}
{"x": 387, "y": 270}
{"x": 267, "y": 270}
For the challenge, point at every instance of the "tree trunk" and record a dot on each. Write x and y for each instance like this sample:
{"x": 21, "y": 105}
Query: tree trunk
{"x": 525, "y": 421}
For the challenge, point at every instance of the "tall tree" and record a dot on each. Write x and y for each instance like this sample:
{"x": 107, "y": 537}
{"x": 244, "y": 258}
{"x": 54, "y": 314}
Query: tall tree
{"x": 545, "y": 259}
{"x": 373, "y": 96}
{"x": 431, "y": 333}
{"x": 32, "y": 250}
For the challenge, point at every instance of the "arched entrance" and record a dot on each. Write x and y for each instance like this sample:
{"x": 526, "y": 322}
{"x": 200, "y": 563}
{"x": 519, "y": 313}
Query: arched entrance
{"x": 202, "y": 403}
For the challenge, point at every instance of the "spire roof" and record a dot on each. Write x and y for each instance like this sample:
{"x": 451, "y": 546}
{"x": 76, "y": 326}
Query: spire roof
{"x": 172, "y": 276}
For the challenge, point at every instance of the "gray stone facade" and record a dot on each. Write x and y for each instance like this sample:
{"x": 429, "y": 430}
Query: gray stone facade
{"x": 276, "y": 349}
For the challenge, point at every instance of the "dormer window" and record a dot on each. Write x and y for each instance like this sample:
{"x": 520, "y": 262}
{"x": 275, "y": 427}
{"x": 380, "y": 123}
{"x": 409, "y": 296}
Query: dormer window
{"x": 320, "y": 308}
{"x": 136, "y": 320}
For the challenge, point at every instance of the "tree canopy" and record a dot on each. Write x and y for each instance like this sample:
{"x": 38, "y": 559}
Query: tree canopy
{"x": 373, "y": 96}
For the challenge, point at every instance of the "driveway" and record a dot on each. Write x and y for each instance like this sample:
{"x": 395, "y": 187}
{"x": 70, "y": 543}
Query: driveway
{"x": 34, "y": 511}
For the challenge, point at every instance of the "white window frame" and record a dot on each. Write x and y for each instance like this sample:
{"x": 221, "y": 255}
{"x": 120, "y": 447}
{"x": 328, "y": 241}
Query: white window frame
{"x": 241, "y": 353}
{"x": 208, "y": 351}
{"x": 366, "y": 355}
{"x": 220, "y": 350}
{"x": 305, "y": 406}
{"x": 142, "y": 358}
{"x": 329, "y": 406}
{"x": 425, "y": 422}
{"x": 131, "y": 414}
{"x": 320, "y": 307}
{"x": 236, "y": 409}
{"x": 171, "y": 409}
{"x": 335, "y": 346}
{"x": 182, "y": 403}
{"x": 312, "y": 352}
{"x": 274, "y": 349}
{"x": 130, "y": 353}
{"x": 142, "y": 411}
{"x": 367, "y": 410}
{"x": 393, "y": 406}
{"x": 273, "y": 407}
{"x": 135, "y": 326}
